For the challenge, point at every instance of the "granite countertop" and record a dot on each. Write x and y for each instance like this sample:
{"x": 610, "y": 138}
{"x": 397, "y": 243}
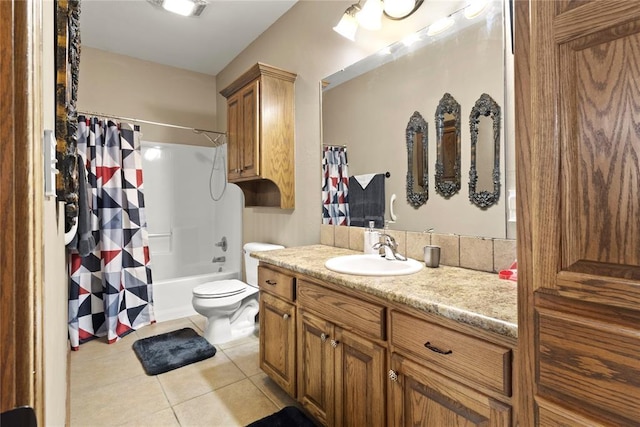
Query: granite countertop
{"x": 472, "y": 297}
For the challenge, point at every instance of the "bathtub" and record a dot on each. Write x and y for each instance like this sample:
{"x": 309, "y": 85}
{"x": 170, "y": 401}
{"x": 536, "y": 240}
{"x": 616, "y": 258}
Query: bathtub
{"x": 172, "y": 297}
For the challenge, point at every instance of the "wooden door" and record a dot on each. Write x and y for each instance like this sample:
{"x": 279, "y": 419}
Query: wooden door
{"x": 249, "y": 148}
{"x": 315, "y": 367}
{"x": 360, "y": 380}
{"x": 580, "y": 287}
{"x": 421, "y": 397}
{"x": 234, "y": 137}
{"x": 278, "y": 341}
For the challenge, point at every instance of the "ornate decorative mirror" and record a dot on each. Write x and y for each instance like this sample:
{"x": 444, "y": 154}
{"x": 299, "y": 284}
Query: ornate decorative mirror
{"x": 67, "y": 57}
{"x": 417, "y": 157}
{"x": 484, "y": 176}
{"x": 447, "y": 179}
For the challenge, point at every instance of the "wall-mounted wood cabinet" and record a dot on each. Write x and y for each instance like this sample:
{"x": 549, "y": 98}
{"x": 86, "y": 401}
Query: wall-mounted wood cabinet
{"x": 260, "y": 136}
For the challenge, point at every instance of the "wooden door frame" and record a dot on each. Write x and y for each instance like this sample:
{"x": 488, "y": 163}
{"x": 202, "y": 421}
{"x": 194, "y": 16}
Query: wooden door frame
{"x": 524, "y": 375}
{"x": 21, "y": 203}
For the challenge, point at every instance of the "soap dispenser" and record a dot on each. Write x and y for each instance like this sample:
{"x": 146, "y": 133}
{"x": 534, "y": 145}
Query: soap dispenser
{"x": 371, "y": 237}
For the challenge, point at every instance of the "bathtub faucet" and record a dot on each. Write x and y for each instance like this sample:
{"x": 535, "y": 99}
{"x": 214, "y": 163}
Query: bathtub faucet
{"x": 219, "y": 259}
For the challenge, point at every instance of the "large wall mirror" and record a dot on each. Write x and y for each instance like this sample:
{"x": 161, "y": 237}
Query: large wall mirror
{"x": 365, "y": 108}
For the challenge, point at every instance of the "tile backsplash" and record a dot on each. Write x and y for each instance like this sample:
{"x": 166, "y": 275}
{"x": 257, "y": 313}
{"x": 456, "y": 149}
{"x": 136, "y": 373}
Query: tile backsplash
{"x": 475, "y": 253}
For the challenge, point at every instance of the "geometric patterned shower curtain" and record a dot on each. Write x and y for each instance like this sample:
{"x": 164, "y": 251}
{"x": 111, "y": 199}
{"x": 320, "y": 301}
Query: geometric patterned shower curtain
{"x": 110, "y": 289}
{"x": 335, "y": 186}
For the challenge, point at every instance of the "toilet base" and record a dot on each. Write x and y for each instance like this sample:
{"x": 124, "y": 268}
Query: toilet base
{"x": 240, "y": 324}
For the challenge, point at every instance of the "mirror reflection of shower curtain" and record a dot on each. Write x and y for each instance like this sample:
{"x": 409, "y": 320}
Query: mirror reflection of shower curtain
{"x": 335, "y": 186}
{"x": 110, "y": 290}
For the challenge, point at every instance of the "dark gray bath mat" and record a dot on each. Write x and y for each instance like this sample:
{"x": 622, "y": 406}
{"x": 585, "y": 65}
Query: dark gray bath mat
{"x": 166, "y": 352}
{"x": 289, "y": 416}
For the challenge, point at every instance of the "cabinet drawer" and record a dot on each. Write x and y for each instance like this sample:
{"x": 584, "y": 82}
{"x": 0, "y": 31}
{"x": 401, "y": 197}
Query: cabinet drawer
{"x": 344, "y": 310}
{"x": 276, "y": 283}
{"x": 480, "y": 361}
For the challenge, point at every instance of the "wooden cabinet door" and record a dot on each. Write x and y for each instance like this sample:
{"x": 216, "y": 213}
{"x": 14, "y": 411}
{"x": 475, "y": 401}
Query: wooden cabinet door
{"x": 249, "y": 147}
{"x": 278, "y": 341}
{"x": 421, "y": 397}
{"x": 315, "y": 366}
{"x": 234, "y": 137}
{"x": 243, "y": 116}
{"x": 360, "y": 381}
{"x": 581, "y": 343}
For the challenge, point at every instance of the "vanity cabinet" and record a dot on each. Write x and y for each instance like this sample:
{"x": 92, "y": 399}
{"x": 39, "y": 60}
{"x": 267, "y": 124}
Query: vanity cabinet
{"x": 362, "y": 360}
{"x": 260, "y": 135}
{"x": 341, "y": 374}
{"x": 278, "y": 328}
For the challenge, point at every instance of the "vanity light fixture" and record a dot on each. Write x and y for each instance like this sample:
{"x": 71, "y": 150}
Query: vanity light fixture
{"x": 368, "y": 15}
{"x": 181, "y": 7}
{"x": 474, "y": 8}
{"x": 441, "y": 25}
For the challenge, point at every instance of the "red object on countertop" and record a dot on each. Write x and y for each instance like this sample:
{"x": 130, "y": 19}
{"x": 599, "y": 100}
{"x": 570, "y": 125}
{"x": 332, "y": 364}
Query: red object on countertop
{"x": 511, "y": 273}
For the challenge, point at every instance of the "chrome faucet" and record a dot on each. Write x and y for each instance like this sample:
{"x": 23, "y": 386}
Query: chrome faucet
{"x": 219, "y": 259}
{"x": 222, "y": 244}
{"x": 390, "y": 248}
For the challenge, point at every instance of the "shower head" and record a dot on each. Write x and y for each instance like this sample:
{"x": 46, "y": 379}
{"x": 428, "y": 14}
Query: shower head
{"x": 216, "y": 142}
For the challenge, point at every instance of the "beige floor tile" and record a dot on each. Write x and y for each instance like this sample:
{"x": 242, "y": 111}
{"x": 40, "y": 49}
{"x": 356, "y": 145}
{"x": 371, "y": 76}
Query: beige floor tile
{"x": 100, "y": 348}
{"x": 273, "y": 391}
{"x": 242, "y": 341}
{"x": 235, "y": 405}
{"x": 164, "y": 418}
{"x": 103, "y": 371}
{"x": 117, "y": 403}
{"x": 162, "y": 327}
{"x": 199, "y": 378}
{"x": 245, "y": 356}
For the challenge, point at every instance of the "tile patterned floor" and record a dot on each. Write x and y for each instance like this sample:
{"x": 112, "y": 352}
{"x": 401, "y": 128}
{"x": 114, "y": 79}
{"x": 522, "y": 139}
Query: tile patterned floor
{"x": 110, "y": 388}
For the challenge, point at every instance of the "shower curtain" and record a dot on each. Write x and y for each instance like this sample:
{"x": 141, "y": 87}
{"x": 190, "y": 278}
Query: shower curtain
{"x": 335, "y": 186}
{"x": 110, "y": 288}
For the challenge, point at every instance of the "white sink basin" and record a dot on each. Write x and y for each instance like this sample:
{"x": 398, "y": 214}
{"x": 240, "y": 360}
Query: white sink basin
{"x": 372, "y": 265}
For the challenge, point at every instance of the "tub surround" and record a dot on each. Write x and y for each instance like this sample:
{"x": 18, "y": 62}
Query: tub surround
{"x": 475, "y": 298}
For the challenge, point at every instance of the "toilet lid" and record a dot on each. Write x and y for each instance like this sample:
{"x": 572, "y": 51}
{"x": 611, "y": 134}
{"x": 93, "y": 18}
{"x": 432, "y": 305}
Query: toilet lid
{"x": 220, "y": 289}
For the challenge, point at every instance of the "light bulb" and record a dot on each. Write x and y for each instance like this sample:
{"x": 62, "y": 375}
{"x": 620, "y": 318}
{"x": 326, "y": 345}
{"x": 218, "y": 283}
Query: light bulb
{"x": 440, "y": 25}
{"x": 181, "y": 7}
{"x": 398, "y": 8}
{"x": 370, "y": 16}
{"x": 347, "y": 26}
{"x": 474, "y": 8}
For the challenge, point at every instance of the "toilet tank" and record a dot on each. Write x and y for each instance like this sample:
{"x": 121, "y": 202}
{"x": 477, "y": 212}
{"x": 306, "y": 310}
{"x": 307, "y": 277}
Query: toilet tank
{"x": 251, "y": 264}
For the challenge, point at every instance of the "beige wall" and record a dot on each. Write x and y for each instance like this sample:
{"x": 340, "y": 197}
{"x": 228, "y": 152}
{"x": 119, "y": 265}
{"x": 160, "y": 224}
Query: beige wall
{"x": 128, "y": 87}
{"x": 302, "y": 41}
{"x": 54, "y": 288}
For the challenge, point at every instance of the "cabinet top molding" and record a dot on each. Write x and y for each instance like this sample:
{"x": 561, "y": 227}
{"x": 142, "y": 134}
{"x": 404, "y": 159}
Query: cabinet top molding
{"x": 258, "y": 70}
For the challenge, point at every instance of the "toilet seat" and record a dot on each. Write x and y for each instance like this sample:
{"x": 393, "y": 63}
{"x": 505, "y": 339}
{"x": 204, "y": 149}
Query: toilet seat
{"x": 220, "y": 289}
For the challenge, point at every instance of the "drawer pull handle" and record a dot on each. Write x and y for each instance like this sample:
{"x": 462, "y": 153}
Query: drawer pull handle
{"x": 285, "y": 316}
{"x": 436, "y": 349}
{"x": 271, "y": 282}
{"x": 393, "y": 375}
{"x": 323, "y": 337}
{"x": 334, "y": 343}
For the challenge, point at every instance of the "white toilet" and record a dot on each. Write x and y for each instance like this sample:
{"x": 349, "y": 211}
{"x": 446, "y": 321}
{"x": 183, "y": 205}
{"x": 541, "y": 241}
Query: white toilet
{"x": 230, "y": 306}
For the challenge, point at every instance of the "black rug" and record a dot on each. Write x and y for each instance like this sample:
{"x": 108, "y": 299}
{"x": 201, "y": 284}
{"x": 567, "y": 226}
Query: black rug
{"x": 289, "y": 416}
{"x": 166, "y": 352}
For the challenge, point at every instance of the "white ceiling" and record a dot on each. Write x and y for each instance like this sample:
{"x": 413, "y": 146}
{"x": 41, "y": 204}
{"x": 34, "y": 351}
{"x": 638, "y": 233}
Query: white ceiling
{"x": 205, "y": 44}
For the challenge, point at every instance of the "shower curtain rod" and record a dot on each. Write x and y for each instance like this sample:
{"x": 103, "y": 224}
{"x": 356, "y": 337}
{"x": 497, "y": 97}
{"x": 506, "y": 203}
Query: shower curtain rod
{"x": 130, "y": 119}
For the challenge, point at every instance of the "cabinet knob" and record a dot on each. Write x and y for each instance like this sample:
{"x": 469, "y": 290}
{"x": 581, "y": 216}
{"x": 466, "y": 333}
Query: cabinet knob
{"x": 285, "y": 316}
{"x": 334, "y": 343}
{"x": 323, "y": 337}
{"x": 393, "y": 375}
